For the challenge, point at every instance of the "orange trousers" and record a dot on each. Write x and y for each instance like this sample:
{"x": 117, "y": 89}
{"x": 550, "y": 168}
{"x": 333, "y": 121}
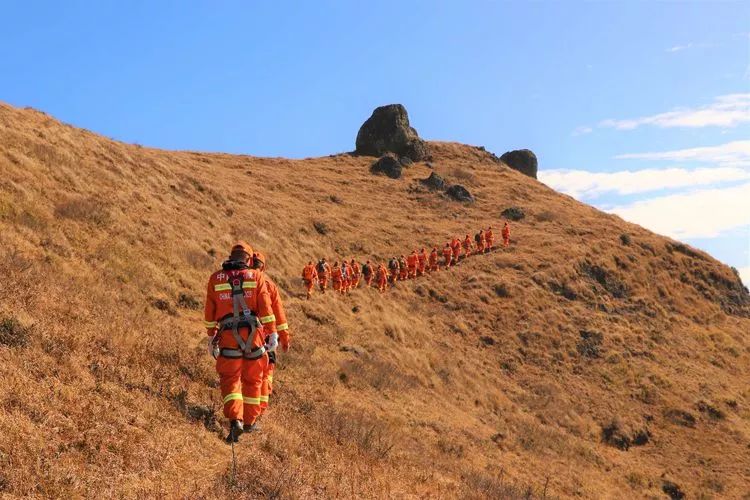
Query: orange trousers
{"x": 241, "y": 382}
{"x": 309, "y": 285}
{"x": 403, "y": 274}
{"x": 489, "y": 245}
{"x": 456, "y": 255}
{"x": 412, "y": 272}
{"x": 323, "y": 284}
{"x": 345, "y": 285}
{"x": 355, "y": 281}
{"x": 433, "y": 266}
{"x": 506, "y": 241}
{"x": 267, "y": 388}
{"x": 394, "y": 275}
{"x": 421, "y": 269}
{"x": 382, "y": 284}
{"x": 368, "y": 281}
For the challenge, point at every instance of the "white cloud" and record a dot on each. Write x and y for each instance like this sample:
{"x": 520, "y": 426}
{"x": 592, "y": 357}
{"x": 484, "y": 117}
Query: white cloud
{"x": 736, "y": 153}
{"x": 703, "y": 213}
{"x": 691, "y": 45}
{"x": 726, "y": 111}
{"x": 582, "y": 130}
{"x": 583, "y": 184}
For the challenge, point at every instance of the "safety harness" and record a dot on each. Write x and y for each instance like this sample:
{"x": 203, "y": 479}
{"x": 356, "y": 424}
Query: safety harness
{"x": 241, "y": 317}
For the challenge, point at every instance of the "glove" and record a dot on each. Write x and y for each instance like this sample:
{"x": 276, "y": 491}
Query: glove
{"x": 284, "y": 343}
{"x": 213, "y": 348}
{"x": 272, "y": 342}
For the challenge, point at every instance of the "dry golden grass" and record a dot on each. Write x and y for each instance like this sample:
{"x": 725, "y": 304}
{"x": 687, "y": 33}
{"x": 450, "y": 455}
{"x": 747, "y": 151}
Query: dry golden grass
{"x": 528, "y": 367}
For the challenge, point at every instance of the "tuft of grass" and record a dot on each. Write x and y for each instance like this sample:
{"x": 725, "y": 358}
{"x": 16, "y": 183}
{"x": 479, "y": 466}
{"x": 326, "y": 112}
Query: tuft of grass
{"x": 13, "y": 334}
{"x": 88, "y": 210}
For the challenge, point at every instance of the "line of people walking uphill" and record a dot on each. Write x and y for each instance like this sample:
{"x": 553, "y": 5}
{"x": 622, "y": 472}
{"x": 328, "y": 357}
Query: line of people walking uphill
{"x": 347, "y": 275}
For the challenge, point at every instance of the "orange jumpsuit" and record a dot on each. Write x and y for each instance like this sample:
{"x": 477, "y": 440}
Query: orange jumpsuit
{"x": 241, "y": 379}
{"x": 421, "y": 263}
{"x": 467, "y": 246}
{"x": 355, "y": 274}
{"x": 411, "y": 263}
{"x": 456, "y": 247}
{"x": 506, "y": 234}
{"x": 481, "y": 243}
{"x": 382, "y": 277}
{"x": 395, "y": 268}
{"x": 404, "y": 270}
{"x": 346, "y": 273}
{"x": 309, "y": 275}
{"x": 323, "y": 275}
{"x": 369, "y": 273}
{"x": 490, "y": 239}
{"x": 447, "y": 253}
{"x": 282, "y": 328}
{"x": 338, "y": 279}
{"x": 433, "y": 260}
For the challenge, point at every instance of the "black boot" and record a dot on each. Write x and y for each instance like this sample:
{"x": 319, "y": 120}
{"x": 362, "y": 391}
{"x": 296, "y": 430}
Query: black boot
{"x": 235, "y": 431}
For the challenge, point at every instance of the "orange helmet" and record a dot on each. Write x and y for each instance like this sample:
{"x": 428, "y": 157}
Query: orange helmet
{"x": 259, "y": 261}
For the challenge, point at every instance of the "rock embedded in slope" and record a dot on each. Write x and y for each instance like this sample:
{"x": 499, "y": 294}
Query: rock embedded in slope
{"x": 523, "y": 160}
{"x": 388, "y": 131}
{"x": 434, "y": 182}
{"x": 459, "y": 193}
{"x": 513, "y": 213}
{"x": 388, "y": 165}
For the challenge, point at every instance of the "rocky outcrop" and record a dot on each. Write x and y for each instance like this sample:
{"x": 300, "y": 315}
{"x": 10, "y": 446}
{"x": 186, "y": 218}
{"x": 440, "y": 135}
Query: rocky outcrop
{"x": 434, "y": 182}
{"x": 388, "y": 165}
{"x": 459, "y": 193}
{"x": 388, "y": 131}
{"x": 523, "y": 160}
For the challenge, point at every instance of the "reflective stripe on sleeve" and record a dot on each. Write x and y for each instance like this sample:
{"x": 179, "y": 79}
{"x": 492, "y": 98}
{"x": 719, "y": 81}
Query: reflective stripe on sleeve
{"x": 267, "y": 319}
{"x": 250, "y": 284}
{"x": 209, "y": 324}
{"x": 264, "y": 399}
{"x": 232, "y": 396}
{"x": 251, "y": 401}
{"x": 282, "y": 327}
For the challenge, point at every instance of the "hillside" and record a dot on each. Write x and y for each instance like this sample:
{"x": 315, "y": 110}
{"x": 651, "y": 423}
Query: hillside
{"x": 592, "y": 355}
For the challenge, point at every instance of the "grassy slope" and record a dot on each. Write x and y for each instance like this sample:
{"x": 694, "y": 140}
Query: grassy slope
{"x": 442, "y": 388}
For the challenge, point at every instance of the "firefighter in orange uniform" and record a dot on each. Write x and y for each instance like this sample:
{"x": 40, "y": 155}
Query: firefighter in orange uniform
{"x": 421, "y": 262}
{"x": 456, "y": 247}
{"x": 241, "y": 326}
{"x": 337, "y": 277}
{"x": 447, "y": 254}
{"x": 411, "y": 263}
{"x": 282, "y": 328}
{"x": 489, "y": 238}
{"x": 324, "y": 273}
{"x": 382, "y": 278}
{"x": 506, "y": 234}
{"x": 403, "y": 268}
{"x": 467, "y": 246}
{"x": 309, "y": 276}
{"x": 368, "y": 271}
{"x": 433, "y": 262}
{"x": 356, "y": 273}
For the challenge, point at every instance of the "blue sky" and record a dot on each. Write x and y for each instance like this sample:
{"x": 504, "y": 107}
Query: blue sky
{"x": 657, "y": 89}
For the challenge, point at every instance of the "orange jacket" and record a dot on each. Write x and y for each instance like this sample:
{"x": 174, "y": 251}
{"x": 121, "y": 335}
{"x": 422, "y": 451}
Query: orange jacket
{"x": 456, "y": 245}
{"x": 282, "y": 327}
{"x": 411, "y": 260}
{"x": 337, "y": 275}
{"x": 309, "y": 273}
{"x": 447, "y": 251}
{"x": 382, "y": 273}
{"x": 489, "y": 236}
{"x": 467, "y": 242}
{"x": 433, "y": 257}
{"x": 257, "y": 298}
{"x": 506, "y": 231}
{"x": 422, "y": 258}
{"x": 355, "y": 269}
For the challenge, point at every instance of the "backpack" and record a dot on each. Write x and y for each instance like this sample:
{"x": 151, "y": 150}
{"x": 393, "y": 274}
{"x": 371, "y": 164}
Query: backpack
{"x": 477, "y": 238}
{"x": 367, "y": 270}
{"x": 321, "y": 267}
